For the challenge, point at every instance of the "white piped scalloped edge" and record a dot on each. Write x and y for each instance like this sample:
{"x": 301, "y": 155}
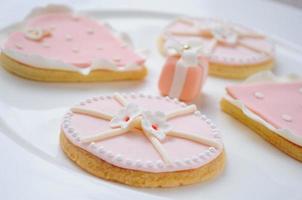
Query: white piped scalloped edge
{"x": 221, "y": 58}
{"x": 159, "y": 166}
{"x": 267, "y": 76}
{"x": 37, "y": 61}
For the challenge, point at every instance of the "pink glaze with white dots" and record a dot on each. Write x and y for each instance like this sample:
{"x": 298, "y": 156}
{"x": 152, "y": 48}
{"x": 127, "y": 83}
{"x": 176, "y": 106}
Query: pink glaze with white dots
{"x": 75, "y": 40}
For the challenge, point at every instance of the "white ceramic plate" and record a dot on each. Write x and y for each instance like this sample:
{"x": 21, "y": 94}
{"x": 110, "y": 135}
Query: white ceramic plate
{"x": 30, "y": 115}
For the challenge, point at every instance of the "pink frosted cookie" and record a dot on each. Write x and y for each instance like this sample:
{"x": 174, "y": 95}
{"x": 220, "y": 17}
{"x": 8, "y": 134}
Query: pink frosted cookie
{"x": 143, "y": 141}
{"x": 183, "y": 77}
{"x": 272, "y": 107}
{"x": 233, "y": 51}
{"x": 56, "y": 44}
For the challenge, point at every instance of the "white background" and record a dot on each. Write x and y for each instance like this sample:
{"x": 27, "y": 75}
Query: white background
{"x": 254, "y": 170}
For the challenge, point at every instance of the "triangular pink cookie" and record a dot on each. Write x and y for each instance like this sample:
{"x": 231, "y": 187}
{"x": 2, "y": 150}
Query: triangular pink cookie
{"x": 279, "y": 104}
{"x": 73, "y": 40}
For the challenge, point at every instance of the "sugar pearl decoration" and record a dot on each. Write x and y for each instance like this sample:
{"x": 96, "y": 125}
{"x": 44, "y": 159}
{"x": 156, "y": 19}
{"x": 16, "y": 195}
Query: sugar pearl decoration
{"x": 212, "y": 149}
{"x": 101, "y": 150}
{"x": 259, "y": 95}
{"x": 128, "y": 162}
{"x": 159, "y": 164}
{"x": 118, "y": 158}
{"x": 75, "y": 18}
{"x": 116, "y": 59}
{"x": 68, "y": 37}
{"x": 90, "y": 31}
{"x": 287, "y": 117}
{"x": 138, "y": 163}
{"x": 18, "y": 46}
{"x": 149, "y": 164}
{"x": 75, "y": 50}
{"x": 46, "y": 45}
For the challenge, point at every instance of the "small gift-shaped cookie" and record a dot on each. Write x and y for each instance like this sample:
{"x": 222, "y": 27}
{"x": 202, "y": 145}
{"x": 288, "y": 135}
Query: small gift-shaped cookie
{"x": 184, "y": 74}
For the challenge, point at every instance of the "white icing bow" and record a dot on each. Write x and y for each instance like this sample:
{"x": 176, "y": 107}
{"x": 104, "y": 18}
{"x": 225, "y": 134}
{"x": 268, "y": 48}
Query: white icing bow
{"x": 125, "y": 116}
{"x": 155, "y": 126}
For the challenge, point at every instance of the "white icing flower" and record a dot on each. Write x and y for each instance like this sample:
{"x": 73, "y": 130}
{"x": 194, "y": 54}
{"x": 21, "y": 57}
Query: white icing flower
{"x": 125, "y": 116}
{"x": 225, "y": 34}
{"x": 36, "y": 33}
{"x": 155, "y": 124}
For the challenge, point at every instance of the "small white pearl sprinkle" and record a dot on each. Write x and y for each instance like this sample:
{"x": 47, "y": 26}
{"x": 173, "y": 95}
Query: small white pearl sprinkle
{"x": 90, "y": 31}
{"x": 197, "y": 112}
{"x": 149, "y": 164}
{"x": 92, "y": 145}
{"x": 195, "y": 159}
{"x": 116, "y": 59}
{"x": 212, "y": 149}
{"x": 101, "y": 150}
{"x": 138, "y": 163}
{"x": 208, "y": 121}
{"x": 68, "y": 37}
{"x": 133, "y": 95}
{"x": 75, "y": 18}
{"x": 178, "y": 163}
{"x": 128, "y": 162}
{"x": 213, "y": 126}
{"x": 19, "y": 46}
{"x": 45, "y": 45}
{"x": 188, "y": 161}
{"x": 159, "y": 164}
{"x": 70, "y": 130}
{"x": 216, "y": 135}
{"x": 287, "y": 117}
{"x": 52, "y": 28}
{"x": 118, "y": 158}
{"x": 258, "y": 95}
{"x": 75, "y": 50}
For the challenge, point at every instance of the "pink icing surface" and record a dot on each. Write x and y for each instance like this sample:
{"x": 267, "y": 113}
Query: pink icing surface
{"x": 135, "y": 147}
{"x": 87, "y": 37}
{"x": 278, "y": 99}
{"x": 229, "y": 55}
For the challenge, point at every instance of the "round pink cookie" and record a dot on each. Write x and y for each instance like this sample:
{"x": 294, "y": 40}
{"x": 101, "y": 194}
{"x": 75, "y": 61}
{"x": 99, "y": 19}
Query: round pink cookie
{"x": 234, "y": 45}
{"x": 133, "y": 149}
